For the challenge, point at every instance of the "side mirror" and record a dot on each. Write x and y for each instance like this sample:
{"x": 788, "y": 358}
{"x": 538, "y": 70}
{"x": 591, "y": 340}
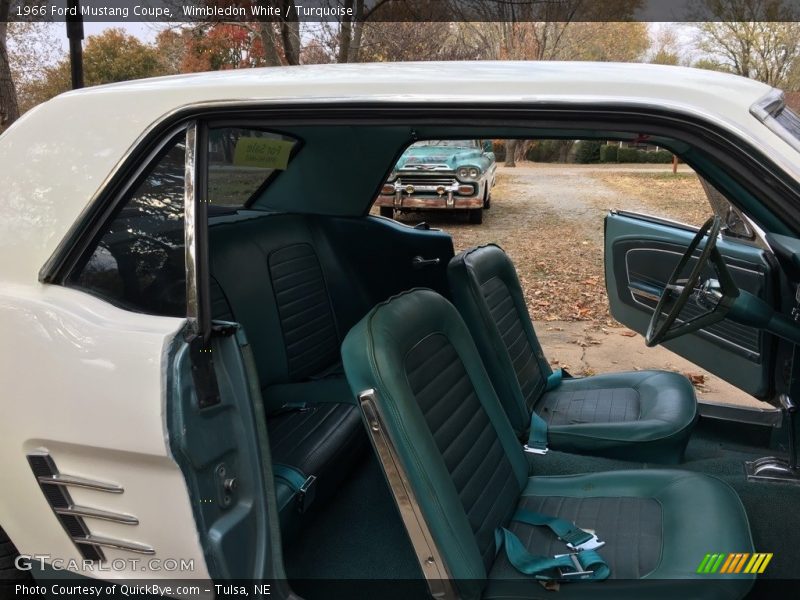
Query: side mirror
{"x": 488, "y": 146}
{"x": 733, "y": 222}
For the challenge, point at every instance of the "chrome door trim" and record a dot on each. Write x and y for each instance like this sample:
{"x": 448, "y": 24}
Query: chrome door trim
{"x": 104, "y": 542}
{"x": 434, "y": 569}
{"x": 190, "y": 229}
{"x": 95, "y": 513}
{"x": 63, "y": 480}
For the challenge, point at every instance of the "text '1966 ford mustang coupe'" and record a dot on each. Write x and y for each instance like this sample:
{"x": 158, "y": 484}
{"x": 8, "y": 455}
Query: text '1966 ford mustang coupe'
{"x": 441, "y": 175}
{"x": 216, "y": 369}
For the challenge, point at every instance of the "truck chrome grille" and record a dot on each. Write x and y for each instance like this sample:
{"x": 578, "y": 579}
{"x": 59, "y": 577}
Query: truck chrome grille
{"x": 418, "y": 179}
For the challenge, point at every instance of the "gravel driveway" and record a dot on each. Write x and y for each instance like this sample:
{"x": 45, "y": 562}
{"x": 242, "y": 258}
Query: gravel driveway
{"x": 549, "y": 219}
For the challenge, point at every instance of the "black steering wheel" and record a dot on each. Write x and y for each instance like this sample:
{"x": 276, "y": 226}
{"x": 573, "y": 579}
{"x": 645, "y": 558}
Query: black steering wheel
{"x": 715, "y": 295}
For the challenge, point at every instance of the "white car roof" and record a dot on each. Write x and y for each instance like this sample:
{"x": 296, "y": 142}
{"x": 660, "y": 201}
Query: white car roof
{"x": 58, "y": 155}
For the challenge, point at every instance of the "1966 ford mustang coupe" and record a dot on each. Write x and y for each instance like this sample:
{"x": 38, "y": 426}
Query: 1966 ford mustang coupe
{"x": 441, "y": 175}
{"x": 209, "y": 372}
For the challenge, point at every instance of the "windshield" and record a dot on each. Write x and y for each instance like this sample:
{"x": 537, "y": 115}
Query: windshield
{"x": 447, "y": 143}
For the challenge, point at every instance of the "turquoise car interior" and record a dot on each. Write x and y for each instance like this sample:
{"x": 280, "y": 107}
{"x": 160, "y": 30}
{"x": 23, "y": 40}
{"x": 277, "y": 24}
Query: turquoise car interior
{"x": 644, "y": 415}
{"x": 335, "y": 301}
{"x": 472, "y": 478}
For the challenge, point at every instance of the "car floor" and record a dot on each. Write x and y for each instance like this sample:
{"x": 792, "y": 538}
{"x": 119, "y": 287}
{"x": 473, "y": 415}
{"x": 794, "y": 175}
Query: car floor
{"x": 359, "y": 536}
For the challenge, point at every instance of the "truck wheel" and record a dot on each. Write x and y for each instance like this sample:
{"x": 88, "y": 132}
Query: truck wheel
{"x": 387, "y": 211}
{"x": 487, "y": 198}
{"x": 8, "y": 553}
{"x": 476, "y": 216}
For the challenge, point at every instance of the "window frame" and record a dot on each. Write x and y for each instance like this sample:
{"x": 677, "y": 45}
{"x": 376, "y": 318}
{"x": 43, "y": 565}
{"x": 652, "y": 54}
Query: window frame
{"x": 266, "y": 128}
{"x": 83, "y": 251}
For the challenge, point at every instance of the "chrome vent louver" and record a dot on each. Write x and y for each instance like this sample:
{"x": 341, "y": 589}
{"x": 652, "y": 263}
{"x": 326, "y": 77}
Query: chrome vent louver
{"x": 54, "y": 486}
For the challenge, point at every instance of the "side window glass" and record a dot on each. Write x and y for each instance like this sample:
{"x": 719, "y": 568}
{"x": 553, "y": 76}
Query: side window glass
{"x": 242, "y": 161}
{"x": 139, "y": 262}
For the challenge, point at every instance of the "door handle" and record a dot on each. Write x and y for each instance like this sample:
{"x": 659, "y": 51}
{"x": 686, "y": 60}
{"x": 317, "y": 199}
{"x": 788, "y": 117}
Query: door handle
{"x": 420, "y": 263}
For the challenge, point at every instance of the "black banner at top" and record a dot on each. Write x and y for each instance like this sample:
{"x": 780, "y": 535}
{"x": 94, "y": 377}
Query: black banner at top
{"x": 405, "y": 10}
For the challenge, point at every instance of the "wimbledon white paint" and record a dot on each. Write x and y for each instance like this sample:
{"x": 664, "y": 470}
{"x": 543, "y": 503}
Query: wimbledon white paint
{"x": 84, "y": 380}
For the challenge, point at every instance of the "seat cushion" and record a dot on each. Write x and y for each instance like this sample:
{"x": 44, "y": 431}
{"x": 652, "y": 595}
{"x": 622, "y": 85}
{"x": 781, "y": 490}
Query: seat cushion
{"x": 641, "y": 415}
{"x": 323, "y": 440}
{"x": 657, "y": 525}
{"x": 437, "y": 409}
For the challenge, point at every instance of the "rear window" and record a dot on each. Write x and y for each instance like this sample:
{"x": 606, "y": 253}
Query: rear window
{"x": 242, "y": 161}
{"x": 790, "y": 122}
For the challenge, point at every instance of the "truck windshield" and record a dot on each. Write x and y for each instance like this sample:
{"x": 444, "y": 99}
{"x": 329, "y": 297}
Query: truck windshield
{"x": 448, "y": 143}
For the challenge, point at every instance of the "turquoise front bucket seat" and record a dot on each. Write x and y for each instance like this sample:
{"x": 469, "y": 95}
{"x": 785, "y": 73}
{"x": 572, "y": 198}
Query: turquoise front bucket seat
{"x": 469, "y": 474}
{"x": 645, "y": 416}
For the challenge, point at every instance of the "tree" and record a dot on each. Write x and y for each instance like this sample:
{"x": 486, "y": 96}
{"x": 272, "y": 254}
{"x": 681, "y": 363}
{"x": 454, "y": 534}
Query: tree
{"x": 31, "y": 52}
{"x": 107, "y": 58}
{"x": 665, "y": 49}
{"x": 9, "y": 108}
{"x": 760, "y": 40}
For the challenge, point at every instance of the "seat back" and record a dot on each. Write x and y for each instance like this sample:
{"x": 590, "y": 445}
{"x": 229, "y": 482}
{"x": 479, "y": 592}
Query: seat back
{"x": 455, "y": 443}
{"x": 266, "y": 274}
{"x": 487, "y": 293}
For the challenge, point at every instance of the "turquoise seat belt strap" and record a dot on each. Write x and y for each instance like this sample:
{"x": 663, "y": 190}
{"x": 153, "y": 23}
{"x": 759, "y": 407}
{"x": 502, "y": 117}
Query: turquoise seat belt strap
{"x": 537, "y": 435}
{"x": 298, "y": 482}
{"x": 294, "y": 478}
{"x": 586, "y": 565}
{"x": 566, "y": 531}
{"x": 583, "y": 563}
{"x": 554, "y": 380}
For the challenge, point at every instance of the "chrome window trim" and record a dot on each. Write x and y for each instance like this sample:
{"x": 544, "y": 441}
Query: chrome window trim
{"x": 767, "y": 108}
{"x": 190, "y": 227}
{"x": 434, "y": 569}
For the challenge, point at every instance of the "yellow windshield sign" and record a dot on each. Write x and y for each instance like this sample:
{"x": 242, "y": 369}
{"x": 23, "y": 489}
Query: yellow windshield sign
{"x": 263, "y": 153}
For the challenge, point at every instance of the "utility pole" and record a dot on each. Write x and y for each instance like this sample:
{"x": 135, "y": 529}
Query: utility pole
{"x": 75, "y": 36}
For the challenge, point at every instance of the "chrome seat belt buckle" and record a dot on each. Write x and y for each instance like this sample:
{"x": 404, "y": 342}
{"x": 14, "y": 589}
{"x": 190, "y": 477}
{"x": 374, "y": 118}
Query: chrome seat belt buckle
{"x": 306, "y": 494}
{"x": 578, "y": 573}
{"x": 591, "y": 544}
{"x": 540, "y": 451}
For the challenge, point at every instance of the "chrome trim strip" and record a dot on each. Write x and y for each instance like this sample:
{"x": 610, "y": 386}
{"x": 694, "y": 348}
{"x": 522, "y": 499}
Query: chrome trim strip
{"x": 434, "y": 569}
{"x": 638, "y": 292}
{"x": 96, "y": 513}
{"x": 80, "y": 482}
{"x": 104, "y": 542}
{"x": 190, "y": 233}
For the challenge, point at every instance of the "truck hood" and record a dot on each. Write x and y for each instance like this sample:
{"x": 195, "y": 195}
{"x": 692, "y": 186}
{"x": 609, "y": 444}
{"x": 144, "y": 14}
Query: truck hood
{"x": 437, "y": 155}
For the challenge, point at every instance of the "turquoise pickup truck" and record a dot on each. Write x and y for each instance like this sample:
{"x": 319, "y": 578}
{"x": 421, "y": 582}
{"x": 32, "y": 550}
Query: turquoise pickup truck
{"x": 441, "y": 175}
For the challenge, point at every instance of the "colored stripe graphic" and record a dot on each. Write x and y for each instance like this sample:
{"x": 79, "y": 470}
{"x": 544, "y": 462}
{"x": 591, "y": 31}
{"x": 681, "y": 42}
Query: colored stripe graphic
{"x": 734, "y": 562}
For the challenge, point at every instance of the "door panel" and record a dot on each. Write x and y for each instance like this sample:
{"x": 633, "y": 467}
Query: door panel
{"x": 640, "y": 254}
{"x": 224, "y": 454}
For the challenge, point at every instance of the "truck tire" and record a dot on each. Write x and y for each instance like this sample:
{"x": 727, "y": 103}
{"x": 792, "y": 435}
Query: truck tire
{"x": 387, "y": 211}
{"x": 476, "y": 216}
{"x": 487, "y": 198}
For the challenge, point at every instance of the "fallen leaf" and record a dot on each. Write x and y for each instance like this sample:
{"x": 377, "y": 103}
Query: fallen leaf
{"x": 628, "y": 333}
